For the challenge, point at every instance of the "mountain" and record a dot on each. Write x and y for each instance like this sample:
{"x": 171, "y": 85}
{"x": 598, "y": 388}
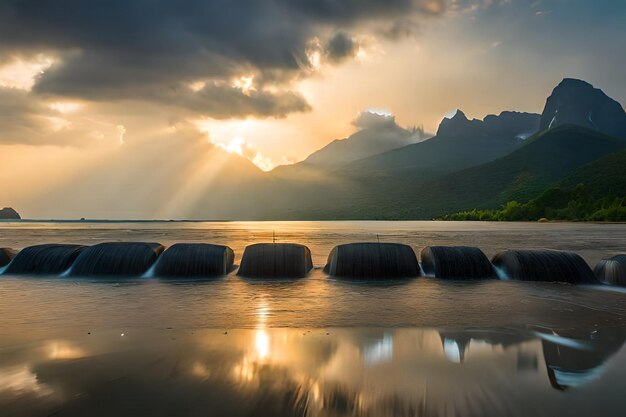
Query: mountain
{"x": 603, "y": 177}
{"x": 578, "y": 102}
{"x": 378, "y": 134}
{"x": 593, "y": 192}
{"x": 460, "y": 143}
{"x": 364, "y": 143}
{"x": 544, "y": 159}
{"x": 8, "y": 213}
{"x": 469, "y": 164}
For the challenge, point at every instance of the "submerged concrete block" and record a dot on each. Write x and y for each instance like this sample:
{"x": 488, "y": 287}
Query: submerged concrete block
{"x": 194, "y": 260}
{"x": 612, "y": 270}
{"x": 6, "y": 254}
{"x": 372, "y": 260}
{"x": 48, "y": 259}
{"x": 544, "y": 265}
{"x": 116, "y": 258}
{"x": 456, "y": 262}
{"x": 275, "y": 260}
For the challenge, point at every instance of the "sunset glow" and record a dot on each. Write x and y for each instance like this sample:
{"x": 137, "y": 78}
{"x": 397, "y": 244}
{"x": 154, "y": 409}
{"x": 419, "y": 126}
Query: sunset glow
{"x": 273, "y": 97}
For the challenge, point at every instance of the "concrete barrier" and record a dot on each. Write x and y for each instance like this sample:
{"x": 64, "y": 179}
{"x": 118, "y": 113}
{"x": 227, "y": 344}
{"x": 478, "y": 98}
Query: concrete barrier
{"x": 612, "y": 270}
{"x": 545, "y": 265}
{"x": 116, "y": 259}
{"x": 47, "y": 259}
{"x": 456, "y": 263}
{"x": 276, "y": 260}
{"x": 194, "y": 260}
{"x": 372, "y": 261}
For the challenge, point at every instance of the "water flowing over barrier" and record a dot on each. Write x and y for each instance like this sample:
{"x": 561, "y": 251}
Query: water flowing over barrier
{"x": 372, "y": 260}
{"x": 116, "y": 258}
{"x": 365, "y": 260}
{"x": 612, "y": 270}
{"x": 6, "y": 254}
{"x": 275, "y": 260}
{"x": 545, "y": 265}
{"x": 194, "y": 260}
{"x": 48, "y": 259}
{"x": 456, "y": 262}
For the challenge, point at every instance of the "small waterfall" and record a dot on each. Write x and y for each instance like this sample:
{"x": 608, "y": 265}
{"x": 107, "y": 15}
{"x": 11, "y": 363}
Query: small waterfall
{"x": 275, "y": 260}
{"x": 48, "y": 259}
{"x": 372, "y": 261}
{"x": 612, "y": 270}
{"x": 544, "y": 265}
{"x": 457, "y": 263}
{"x": 194, "y": 260}
{"x": 116, "y": 259}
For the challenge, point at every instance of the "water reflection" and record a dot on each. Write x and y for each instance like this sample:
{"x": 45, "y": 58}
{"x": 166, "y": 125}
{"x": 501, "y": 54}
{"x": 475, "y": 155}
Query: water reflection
{"x": 331, "y": 372}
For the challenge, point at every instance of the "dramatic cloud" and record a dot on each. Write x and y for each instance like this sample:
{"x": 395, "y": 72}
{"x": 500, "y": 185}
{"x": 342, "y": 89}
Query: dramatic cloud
{"x": 118, "y": 48}
{"x": 373, "y": 118}
{"x": 189, "y": 57}
{"x": 25, "y": 119}
{"x": 225, "y": 101}
{"x": 341, "y": 46}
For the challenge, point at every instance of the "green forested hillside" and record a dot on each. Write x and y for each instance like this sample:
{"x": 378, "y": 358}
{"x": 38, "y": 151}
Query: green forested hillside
{"x": 544, "y": 160}
{"x": 594, "y": 192}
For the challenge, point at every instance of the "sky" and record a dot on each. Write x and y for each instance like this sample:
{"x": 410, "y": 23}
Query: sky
{"x": 83, "y": 84}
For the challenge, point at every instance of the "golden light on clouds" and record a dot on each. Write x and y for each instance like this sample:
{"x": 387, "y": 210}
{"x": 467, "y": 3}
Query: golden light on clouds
{"x": 245, "y": 84}
{"x": 22, "y": 73}
{"x": 64, "y": 106}
{"x": 232, "y": 136}
{"x": 197, "y": 86}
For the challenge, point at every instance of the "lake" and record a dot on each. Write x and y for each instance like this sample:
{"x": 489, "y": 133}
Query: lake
{"x": 315, "y": 346}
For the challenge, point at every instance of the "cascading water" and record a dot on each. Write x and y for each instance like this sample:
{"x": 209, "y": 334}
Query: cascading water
{"x": 372, "y": 260}
{"x": 194, "y": 260}
{"x": 612, "y": 270}
{"x": 544, "y": 265}
{"x": 116, "y": 259}
{"x": 456, "y": 262}
{"x": 275, "y": 260}
{"x": 48, "y": 259}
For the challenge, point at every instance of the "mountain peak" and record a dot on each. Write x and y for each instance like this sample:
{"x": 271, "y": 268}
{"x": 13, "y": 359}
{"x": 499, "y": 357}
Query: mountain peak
{"x": 574, "y": 83}
{"x": 453, "y": 125}
{"x": 577, "y": 102}
{"x": 459, "y": 115}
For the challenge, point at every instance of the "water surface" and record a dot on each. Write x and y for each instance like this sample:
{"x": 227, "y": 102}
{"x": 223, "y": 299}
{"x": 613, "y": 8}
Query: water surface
{"x": 315, "y": 346}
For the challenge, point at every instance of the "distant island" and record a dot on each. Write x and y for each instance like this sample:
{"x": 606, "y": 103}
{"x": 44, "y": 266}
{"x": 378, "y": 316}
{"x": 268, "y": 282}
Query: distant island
{"x": 8, "y": 213}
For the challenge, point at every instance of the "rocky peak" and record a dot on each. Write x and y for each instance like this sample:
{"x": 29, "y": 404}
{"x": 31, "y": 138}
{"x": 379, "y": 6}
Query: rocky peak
{"x": 578, "y": 102}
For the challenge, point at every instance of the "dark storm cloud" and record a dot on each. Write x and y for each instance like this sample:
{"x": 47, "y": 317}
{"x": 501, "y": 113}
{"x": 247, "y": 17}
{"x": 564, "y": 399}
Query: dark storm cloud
{"x": 341, "y": 46}
{"x": 223, "y": 101}
{"x": 130, "y": 49}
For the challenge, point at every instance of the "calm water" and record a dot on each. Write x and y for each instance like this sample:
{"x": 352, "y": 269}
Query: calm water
{"x": 315, "y": 346}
